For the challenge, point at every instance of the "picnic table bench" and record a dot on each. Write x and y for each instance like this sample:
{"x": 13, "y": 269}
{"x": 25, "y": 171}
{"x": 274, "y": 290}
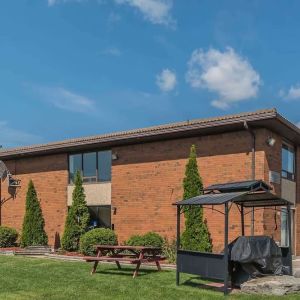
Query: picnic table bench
{"x": 133, "y": 254}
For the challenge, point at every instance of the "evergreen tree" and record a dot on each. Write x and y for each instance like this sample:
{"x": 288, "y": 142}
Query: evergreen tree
{"x": 77, "y": 219}
{"x": 33, "y": 232}
{"x": 196, "y": 235}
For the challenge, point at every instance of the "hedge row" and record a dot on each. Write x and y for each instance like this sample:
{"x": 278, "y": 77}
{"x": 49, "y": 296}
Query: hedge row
{"x": 102, "y": 236}
{"x": 150, "y": 239}
{"x": 97, "y": 236}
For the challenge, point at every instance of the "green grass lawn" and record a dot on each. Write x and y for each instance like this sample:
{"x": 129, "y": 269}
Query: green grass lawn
{"x": 31, "y": 278}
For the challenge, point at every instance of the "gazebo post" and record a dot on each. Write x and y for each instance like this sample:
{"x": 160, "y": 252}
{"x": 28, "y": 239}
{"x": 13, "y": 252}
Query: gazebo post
{"x": 290, "y": 237}
{"x": 177, "y": 243}
{"x": 226, "y": 251}
{"x": 242, "y": 220}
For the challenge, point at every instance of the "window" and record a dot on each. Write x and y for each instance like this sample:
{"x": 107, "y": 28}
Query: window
{"x": 75, "y": 164}
{"x": 104, "y": 166}
{"x": 288, "y": 162}
{"x": 89, "y": 167}
{"x": 93, "y": 166}
{"x": 100, "y": 216}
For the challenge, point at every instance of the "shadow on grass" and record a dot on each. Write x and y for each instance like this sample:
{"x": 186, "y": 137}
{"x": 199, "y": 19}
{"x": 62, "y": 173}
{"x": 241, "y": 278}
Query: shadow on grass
{"x": 124, "y": 271}
{"x": 201, "y": 283}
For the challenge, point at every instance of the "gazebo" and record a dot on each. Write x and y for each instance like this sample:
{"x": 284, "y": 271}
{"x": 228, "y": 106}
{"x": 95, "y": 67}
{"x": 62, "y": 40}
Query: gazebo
{"x": 254, "y": 194}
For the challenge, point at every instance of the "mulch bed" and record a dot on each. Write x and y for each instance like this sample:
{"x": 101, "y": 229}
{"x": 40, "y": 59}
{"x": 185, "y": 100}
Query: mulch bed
{"x": 10, "y": 249}
{"x": 70, "y": 253}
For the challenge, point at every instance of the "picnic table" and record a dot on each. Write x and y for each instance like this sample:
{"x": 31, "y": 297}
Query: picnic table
{"x": 129, "y": 254}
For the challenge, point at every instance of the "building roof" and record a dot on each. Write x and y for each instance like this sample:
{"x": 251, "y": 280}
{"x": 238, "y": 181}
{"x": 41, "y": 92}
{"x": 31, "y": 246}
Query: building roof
{"x": 268, "y": 118}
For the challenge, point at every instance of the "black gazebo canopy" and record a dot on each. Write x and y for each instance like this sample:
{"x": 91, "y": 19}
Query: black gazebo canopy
{"x": 246, "y": 194}
{"x": 246, "y": 199}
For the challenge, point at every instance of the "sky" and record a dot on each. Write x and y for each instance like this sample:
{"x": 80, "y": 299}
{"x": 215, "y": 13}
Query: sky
{"x": 72, "y": 68}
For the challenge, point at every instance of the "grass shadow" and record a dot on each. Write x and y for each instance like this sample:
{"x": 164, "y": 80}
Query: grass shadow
{"x": 202, "y": 283}
{"x": 124, "y": 271}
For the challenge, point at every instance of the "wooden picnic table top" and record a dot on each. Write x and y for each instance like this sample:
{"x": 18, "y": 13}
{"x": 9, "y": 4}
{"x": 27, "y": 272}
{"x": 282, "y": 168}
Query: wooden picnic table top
{"x": 124, "y": 247}
{"x": 141, "y": 254}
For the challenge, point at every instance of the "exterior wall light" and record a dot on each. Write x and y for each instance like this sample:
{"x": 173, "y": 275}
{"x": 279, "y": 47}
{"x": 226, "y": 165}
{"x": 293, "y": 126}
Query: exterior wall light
{"x": 114, "y": 156}
{"x": 271, "y": 141}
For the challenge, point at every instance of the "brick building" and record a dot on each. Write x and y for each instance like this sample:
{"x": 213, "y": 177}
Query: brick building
{"x": 131, "y": 178}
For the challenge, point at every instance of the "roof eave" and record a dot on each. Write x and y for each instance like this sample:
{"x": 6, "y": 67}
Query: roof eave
{"x": 184, "y": 129}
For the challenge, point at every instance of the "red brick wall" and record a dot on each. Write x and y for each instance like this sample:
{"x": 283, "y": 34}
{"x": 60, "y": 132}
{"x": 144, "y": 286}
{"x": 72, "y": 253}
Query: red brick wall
{"x": 50, "y": 177}
{"x": 147, "y": 179}
{"x": 272, "y": 163}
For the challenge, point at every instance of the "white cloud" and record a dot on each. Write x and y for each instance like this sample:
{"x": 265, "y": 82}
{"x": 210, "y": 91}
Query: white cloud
{"x": 166, "y": 80}
{"x": 298, "y": 124}
{"x": 113, "y": 51}
{"x": 65, "y": 99}
{"x": 155, "y": 11}
{"x": 226, "y": 73}
{"x": 11, "y": 137}
{"x": 292, "y": 94}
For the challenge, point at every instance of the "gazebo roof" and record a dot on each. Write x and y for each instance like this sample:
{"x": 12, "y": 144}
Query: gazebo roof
{"x": 249, "y": 185}
{"x": 255, "y": 193}
{"x": 247, "y": 199}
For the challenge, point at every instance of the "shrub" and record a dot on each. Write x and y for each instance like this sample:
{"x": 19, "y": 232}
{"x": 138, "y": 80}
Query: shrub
{"x": 196, "y": 236}
{"x": 135, "y": 240}
{"x": 150, "y": 239}
{"x": 153, "y": 239}
{"x": 33, "y": 232}
{"x": 169, "y": 250}
{"x": 98, "y": 236}
{"x": 77, "y": 219}
{"x": 8, "y": 237}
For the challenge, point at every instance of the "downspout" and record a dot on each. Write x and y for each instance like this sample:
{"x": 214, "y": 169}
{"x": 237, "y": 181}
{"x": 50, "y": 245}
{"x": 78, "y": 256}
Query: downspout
{"x": 253, "y": 149}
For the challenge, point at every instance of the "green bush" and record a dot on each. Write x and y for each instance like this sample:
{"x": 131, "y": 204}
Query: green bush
{"x": 169, "y": 250}
{"x": 135, "y": 240}
{"x": 196, "y": 236}
{"x": 8, "y": 237}
{"x": 77, "y": 219}
{"x": 33, "y": 231}
{"x": 97, "y": 236}
{"x": 153, "y": 239}
{"x": 150, "y": 239}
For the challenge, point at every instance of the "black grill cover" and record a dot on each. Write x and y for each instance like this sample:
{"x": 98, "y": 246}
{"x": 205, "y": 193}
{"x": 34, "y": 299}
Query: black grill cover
{"x": 257, "y": 255}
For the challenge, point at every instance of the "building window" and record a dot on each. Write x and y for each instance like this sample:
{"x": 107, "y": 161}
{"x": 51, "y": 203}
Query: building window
{"x": 288, "y": 162}
{"x": 75, "y": 164}
{"x": 104, "y": 166}
{"x": 100, "y": 216}
{"x": 89, "y": 167}
{"x": 93, "y": 166}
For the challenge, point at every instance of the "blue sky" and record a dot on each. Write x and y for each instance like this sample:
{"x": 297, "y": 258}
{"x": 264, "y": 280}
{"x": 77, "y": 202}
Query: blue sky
{"x": 71, "y": 68}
